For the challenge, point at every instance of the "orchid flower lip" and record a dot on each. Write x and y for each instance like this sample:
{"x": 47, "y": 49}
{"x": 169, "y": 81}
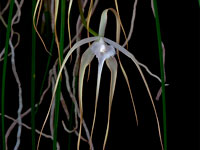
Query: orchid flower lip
{"x": 102, "y": 50}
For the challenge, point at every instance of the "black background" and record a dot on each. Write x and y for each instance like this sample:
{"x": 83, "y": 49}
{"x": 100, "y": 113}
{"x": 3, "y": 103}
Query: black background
{"x": 179, "y": 26}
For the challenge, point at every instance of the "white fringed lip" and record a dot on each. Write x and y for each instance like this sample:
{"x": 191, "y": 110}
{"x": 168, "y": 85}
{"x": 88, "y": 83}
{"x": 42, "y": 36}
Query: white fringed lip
{"x": 102, "y": 50}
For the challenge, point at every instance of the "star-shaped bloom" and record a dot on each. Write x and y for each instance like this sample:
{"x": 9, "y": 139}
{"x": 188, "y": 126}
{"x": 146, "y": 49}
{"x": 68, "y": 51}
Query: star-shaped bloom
{"x": 104, "y": 49}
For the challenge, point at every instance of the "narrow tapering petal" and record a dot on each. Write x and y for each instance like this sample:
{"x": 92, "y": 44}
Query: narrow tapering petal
{"x": 87, "y": 57}
{"x": 78, "y": 44}
{"x": 112, "y": 65}
{"x": 100, "y": 67}
{"x": 132, "y": 57}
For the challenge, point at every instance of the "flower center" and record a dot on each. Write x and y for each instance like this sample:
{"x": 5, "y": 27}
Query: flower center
{"x": 102, "y": 50}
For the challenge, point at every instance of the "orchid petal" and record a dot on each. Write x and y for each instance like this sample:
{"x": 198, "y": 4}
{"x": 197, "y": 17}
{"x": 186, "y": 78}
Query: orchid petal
{"x": 78, "y": 44}
{"x": 68, "y": 24}
{"x": 112, "y": 65}
{"x": 102, "y": 52}
{"x": 100, "y": 67}
{"x": 103, "y": 22}
{"x": 132, "y": 57}
{"x": 87, "y": 57}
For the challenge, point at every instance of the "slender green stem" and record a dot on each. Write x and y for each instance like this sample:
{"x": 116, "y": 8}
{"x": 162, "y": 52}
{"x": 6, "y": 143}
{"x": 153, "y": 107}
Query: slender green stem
{"x": 56, "y": 115}
{"x": 4, "y": 74}
{"x": 72, "y": 113}
{"x": 33, "y": 80}
{"x": 83, "y": 19}
{"x": 199, "y": 2}
{"x": 162, "y": 74}
{"x": 62, "y": 33}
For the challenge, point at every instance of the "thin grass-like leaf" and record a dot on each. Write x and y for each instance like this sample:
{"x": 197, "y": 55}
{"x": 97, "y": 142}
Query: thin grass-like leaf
{"x": 55, "y": 30}
{"x": 35, "y": 27}
{"x": 33, "y": 79}
{"x": 129, "y": 88}
{"x": 119, "y": 21}
{"x": 83, "y": 19}
{"x": 160, "y": 90}
{"x": 68, "y": 24}
{"x": 132, "y": 23}
{"x": 61, "y": 47}
{"x": 88, "y": 23}
{"x": 38, "y": 16}
{"x": 162, "y": 74}
{"x": 89, "y": 16}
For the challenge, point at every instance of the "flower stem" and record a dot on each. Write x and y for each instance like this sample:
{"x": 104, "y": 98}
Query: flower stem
{"x": 57, "y": 104}
{"x": 33, "y": 80}
{"x": 162, "y": 74}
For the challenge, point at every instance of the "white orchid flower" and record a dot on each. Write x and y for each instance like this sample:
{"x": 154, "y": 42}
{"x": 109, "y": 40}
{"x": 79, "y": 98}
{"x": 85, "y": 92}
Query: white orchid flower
{"x": 104, "y": 49}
